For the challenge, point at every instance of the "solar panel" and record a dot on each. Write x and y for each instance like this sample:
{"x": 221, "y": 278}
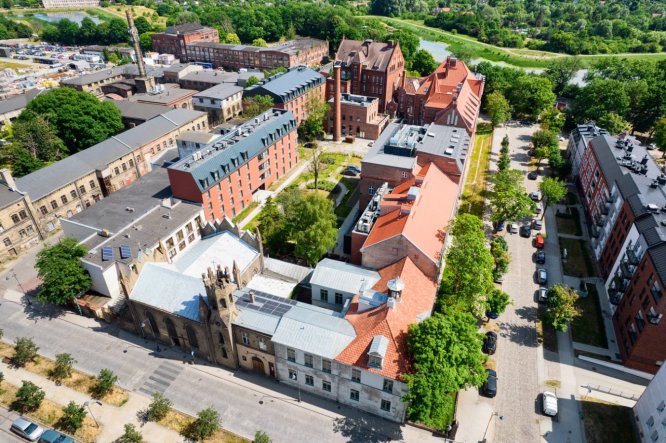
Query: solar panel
{"x": 125, "y": 251}
{"x": 107, "y": 253}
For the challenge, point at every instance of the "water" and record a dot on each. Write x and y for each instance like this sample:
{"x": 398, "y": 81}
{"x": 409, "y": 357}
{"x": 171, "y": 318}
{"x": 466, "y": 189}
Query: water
{"x": 54, "y": 17}
{"x": 438, "y": 50}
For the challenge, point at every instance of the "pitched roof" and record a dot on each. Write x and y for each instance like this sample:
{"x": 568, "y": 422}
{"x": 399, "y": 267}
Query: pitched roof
{"x": 18, "y": 102}
{"x": 419, "y": 210}
{"x": 186, "y": 28}
{"x": 286, "y": 86}
{"x": 415, "y": 304}
{"x": 343, "y": 276}
{"x": 375, "y": 55}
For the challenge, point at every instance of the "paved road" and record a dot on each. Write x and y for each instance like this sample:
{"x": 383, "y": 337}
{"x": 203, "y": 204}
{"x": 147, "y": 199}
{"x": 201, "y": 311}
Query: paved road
{"x": 6, "y": 419}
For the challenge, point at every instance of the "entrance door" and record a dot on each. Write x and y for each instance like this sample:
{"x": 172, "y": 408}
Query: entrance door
{"x": 258, "y": 365}
{"x": 271, "y": 369}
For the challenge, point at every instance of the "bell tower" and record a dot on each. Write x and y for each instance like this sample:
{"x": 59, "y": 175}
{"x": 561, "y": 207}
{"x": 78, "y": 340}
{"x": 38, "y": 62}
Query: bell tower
{"x": 223, "y": 311}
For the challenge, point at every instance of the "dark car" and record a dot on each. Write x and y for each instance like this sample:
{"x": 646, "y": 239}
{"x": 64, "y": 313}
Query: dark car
{"x": 350, "y": 172}
{"x": 540, "y": 258}
{"x": 490, "y": 343}
{"x": 542, "y": 295}
{"x": 354, "y": 168}
{"x": 51, "y": 436}
{"x": 537, "y": 224}
{"x": 542, "y": 276}
{"x": 533, "y": 175}
{"x": 489, "y": 388}
{"x": 500, "y": 225}
{"x": 526, "y": 230}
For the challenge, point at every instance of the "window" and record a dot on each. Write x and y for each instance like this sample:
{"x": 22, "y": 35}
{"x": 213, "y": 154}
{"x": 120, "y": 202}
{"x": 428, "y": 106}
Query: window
{"x": 72, "y": 193}
{"x": 353, "y": 395}
{"x": 246, "y": 339}
{"x": 404, "y": 174}
{"x": 356, "y": 375}
{"x": 7, "y": 241}
{"x": 54, "y": 204}
{"x": 323, "y": 295}
{"x": 221, "y": 338}
{"x": 116, "y": 170}
{"x": 371, "y": 190}
{"x": 131, "y": 163}
{"x": 262, "y": 344}
{"x": 385, "y": 406}
{"x": 326, "y": 386}
{"x": 388, "y": 386}
{"x": 326, "y": 366}
{"x": 309, "y": 361}
{"x": 309, "y": 380}
{"x": 91, "y": 183}
{"x": 29, "y": 229}
{"x": 374, "y": 361}
{"x": 82, "y": 189}
{"x": 338, "y": 298}
{"x": 192, "y": 337}
{"x": 15, "y": 218}
{"x": 293, "y": 375}
{"x": 291, "y": 355}
{"x": 661, "y": 407}
{"x": 650, "y": 421}
{"x": 43, "y": 210}
{"x": 22, "y": 233}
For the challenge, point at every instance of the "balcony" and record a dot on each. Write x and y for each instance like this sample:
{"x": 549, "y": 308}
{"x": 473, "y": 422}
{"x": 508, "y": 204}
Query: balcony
{"x": 612, "y": 198}
{"x": 601, "y": 221}
{"x": 595, "y": 231}
{"x": 620, "y": 283}
{"x": 632, "y": 257}
{"x": 627, "y": 269}
{"x": 605, "y": 208}
{"x": 614, "y": 296}
{"x": 654, "y": 318}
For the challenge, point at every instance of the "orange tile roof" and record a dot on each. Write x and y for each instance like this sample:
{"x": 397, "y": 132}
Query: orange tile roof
{"x": 416, "y": 301}
{"x": 420, "y": 221}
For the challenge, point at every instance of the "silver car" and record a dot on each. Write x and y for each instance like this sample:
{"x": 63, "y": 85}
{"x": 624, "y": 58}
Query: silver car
{"x": 27, "y": 429}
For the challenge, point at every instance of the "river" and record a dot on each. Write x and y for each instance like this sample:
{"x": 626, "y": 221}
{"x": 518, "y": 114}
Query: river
{"x": 54, "y": 17}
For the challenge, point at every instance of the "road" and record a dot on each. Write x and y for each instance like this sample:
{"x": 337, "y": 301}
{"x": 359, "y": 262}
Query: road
{"x": 6, "y": 419}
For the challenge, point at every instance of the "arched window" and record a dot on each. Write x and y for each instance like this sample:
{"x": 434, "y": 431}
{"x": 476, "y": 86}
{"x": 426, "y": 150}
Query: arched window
{"x": 153, "y": 323}
{"x": 192, "y": 337}
{"x": 171, "y": 329}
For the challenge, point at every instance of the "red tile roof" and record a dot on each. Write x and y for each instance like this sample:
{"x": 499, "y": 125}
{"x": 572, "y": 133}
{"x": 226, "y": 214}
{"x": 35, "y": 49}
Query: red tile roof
{"x": 415, "y": 304}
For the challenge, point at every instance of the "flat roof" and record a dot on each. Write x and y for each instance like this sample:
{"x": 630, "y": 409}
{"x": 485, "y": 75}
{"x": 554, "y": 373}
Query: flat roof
{"x": 220, "y": 91}
{"x": 343, "y": 276}
{"x": 135, "y": 110}
{"x": 198, "y": 137}
{"x": 355, "y": 100}
{"x": 291, "y": 47}
{"x": 170, "y": 94}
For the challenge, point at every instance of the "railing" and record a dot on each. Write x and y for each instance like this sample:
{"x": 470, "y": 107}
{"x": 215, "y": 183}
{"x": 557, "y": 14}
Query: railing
{"x": 595, "y": 231}
{"x": 627, "y": 269}
{"x": 632, "y": 257}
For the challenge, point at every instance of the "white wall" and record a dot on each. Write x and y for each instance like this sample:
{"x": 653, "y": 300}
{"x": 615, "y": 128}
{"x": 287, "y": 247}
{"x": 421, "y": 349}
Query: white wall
{"x": 650, "y": 410}
{"x": 633, "y": 237}
{"x": 103, "y": 281}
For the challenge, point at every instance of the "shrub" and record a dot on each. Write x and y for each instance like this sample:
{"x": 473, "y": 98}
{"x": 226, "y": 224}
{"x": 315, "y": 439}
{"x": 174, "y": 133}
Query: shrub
{"x": 28, "y": 397}
{"x": 261, "y": 437}
{"x": 105, "y": 381}
{"x": 158, "y": 408}
{"x": 72, "y": 417}
{"x": 131, "y": 435}
{"x": 24, "y": 352}
{"x": 323, "y": 185}
{"x": 206, "y": 424}
{"x": 62, "y": 368}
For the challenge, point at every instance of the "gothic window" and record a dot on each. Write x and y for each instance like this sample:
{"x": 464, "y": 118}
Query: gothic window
{"x": 192, "y": 337}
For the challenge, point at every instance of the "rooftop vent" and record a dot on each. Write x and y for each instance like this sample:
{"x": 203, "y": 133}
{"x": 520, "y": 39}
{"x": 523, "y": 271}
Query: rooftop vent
{"x": 652, "y": 207}
{"x": 128, "y": 209}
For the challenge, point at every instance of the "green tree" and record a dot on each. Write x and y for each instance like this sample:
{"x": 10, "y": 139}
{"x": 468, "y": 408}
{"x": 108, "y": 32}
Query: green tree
{"x": 104, "y": 383}
{"x": 259, "y": 42}
{"x": 423, "y": 62}
{"x": 660, "y": 135}
{"x": 312, "y": 226}
{"x": 613, "y": 123}
{"x": 28, "y": 397}
{"x": 142, "y": 25}
{"x": 272, "y": 226}
{"x": 561, "y": 71}
{"x": 62, "y": 368}
{"x": 62, "y": 274}
{"x": 552, "y": 119}
{"x": 158, "y": 408}
{"x": 206, "y": 424}
{"x": 253, "y": 80}
{"x": 253, "y": 106}
{"x": 39, "y": 138}
{"x": 131, "y": 435}
{"x": 543, "y": 141}
{"x": 500, "y": 252}
{"x": 530, "y": 95}
{"x": 313, "y": 126}
{"x": 552, "y": 190}
{"x": 79, "y": 118}
{"x": 261, "y": 437}
{"x": 562, "y": 307}
{"x": 72, "y": 417}
{"x": 508, "y": 198}
{"x": 497, "y": 301}
{"x": 498, "y": 108}
{"x": 601, "y": 97}
{"x": 25, "y": 351}
{"x": 146, "y": 41}
{"x": 409, "y": 43}
{"x": 446, "y": 350}
{"x": 23, "y": 163}
{"x": 272, "y": 72}
{"x": 232, "y": 39}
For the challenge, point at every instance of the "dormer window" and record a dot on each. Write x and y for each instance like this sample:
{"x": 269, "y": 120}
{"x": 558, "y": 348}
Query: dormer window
{"x": 377, "y": 352}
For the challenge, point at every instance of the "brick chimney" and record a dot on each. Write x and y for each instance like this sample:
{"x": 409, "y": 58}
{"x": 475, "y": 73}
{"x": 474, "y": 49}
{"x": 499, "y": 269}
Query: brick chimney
{"x": 6, "y": 176}
{"x": 337, "y": 129}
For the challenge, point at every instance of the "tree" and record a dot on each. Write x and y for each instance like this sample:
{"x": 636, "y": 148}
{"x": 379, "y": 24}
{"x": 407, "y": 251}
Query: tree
{"x": 232, "y": 38}
{"x": 39, "y": 138}
{"x": 312, "y": 225}
{"x": 142, "y": 25}
{"x": 500, "y": 252}
{"x": 274, "y": 71}
{"x": 146, "y": 41}
{"x": 660, "y": 135}
{"x": 613, "y": 123}
{"x": 158, "y": 408}
{"x": 562, "y": 307}
{"x": 25, "y": 351}
{"x": 552, "y": 190}
{"x": 446, "y": 350}
{"x": 253, "y": 80}
{"x": 543, "y": 141}
{"x": 261, "y": 437}
{"x": 259, "y": 42}
{"x": 561, "y": 71}
{"x": 316, "y": 164}
{"x": 131, "y": 435}
{"x": 72, "y": 417}
{"x": 530, "y": 95}
{"x": 601, "y": 97}
{"x": 552, "y": 119}
{"x": 62, "y": 368}
{"x": 61, "y": 271}
{"x": 508, "y": 198}
{"x": 409, "y": 43}
{"x": 497, "y": 301}
{"x": 498, "y": 108}
{"x": 23, "y": 163}
{"x": 272, "y": 226}
{"x": 313, "y": 126}
{"x": 78, "y": 118}
{"x": 28, "y": 397}
{"x": 258, "y": 104}
{"x": 104, "y": 383}
{"x": 206, "y": 424}
{"x": 423, "y": 62}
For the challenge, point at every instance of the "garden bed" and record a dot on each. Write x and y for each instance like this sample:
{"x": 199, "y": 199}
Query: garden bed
{"x": 607, "y": 422}
{"x": 178, "y": 422}
{"x": 589, "y": 327}
{"x": 546, "y": 335}
{"x": 569, "y": 223}
{"x": 579, "y": 262}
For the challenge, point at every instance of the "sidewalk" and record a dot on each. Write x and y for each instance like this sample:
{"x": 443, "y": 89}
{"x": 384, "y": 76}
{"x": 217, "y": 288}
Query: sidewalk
{"x": 112, "y": 419}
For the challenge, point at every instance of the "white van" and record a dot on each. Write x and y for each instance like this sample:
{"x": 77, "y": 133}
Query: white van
{"x": 549, "y": 403}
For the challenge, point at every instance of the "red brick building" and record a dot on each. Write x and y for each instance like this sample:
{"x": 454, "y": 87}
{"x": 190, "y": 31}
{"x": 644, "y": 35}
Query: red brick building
{"x": 176, "y": 39}
{"x": 625, "y": 202}
{"x": 369, "y": 68}
{"x": 224, "y": 176}
{"x": 359, "y": 116}
{"x": 449, "y": 96}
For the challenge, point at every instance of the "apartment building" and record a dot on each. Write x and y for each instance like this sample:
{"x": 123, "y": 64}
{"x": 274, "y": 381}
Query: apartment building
{"x": 579, "y": 140}
{"x": 294, "y": 90}
{"x": 176, "y": 39}
{"x": 94, "y": 81}
{"x": 359, "y": 116}
{"x": 625, "y": 204}
{"x": 222, "y": 103}
{"x": 223, "y": 176}
{"x": 650, "y": 410}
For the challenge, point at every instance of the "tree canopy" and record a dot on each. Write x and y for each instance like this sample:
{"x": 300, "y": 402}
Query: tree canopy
{"x": 562, "y": 307}
{"x": 508, "y": 199}
{"x": 61, "y": 271}
{"x": 498, "y": 108}
{"x": 552, "y": 190}
{"x": 253, "y": 106}
{"x": 423, "y": 62}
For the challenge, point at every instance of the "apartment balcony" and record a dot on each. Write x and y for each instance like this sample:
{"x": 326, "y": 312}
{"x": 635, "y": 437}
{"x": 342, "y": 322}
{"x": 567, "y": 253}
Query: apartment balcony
{"x": 621, "y": 284}
{"x": 632, "y": 257}
{"x": 605, "y": 208}
{"x": 596, "y": 231}
{"x": 627, "y": 269}
{"x": 654, "y": 318}
{"x": 615, "y": 296}
{"x": 612, "y": 198}
{"x": 601, "y": 221}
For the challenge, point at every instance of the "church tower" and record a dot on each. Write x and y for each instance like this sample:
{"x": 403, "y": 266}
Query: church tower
{"x": 222, "y": 312}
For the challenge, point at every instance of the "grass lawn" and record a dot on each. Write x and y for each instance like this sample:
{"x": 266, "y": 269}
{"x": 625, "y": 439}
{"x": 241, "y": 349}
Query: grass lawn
{"x": 177, "y": 421}
{"x": 350, "y": 198}
{"x": 10, "y": 65}
{"x": 569, "y": 223}
{"x": 475, "y": 185}
{"x": 589, "y": 327}
{"x": 607, "y": 422}
{"x": 244, "y": 213}
{"x": 578, "y": 262}
{"x": 546, "y": 335}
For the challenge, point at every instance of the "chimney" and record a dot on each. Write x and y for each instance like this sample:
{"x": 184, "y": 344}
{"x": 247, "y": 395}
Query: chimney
{"x": 251, "y": 295}
{"x": 134, "y": 35}
{"x": 6, "y": 176}
{"x": 337, "y": 130}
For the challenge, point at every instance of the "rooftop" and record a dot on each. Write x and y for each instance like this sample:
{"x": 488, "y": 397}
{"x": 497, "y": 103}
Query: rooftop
{"x": 291, "y": 47}
{"x": 355, "y": 100}
{"x": 186, "y": 28}
{"x": 286, "y": 86}
{"x": 373, "y": 55}
{"x": 220, "y": 91}
{"x": 129, "y": 70}
{"x": 140, "y": 111}
{"x": 18, "y": 102}
{"x": 163, "y": 95}
{"x": 198, "y": 137}
{"x": 343, "y": 276}
{"x": 7, "y": 197}
{"x": 220, "y": 77}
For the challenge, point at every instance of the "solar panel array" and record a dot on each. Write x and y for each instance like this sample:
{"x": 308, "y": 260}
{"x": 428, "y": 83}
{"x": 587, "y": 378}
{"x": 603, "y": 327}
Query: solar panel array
{"x": 125, "y": 251}
{"x": 266, "y": 303}
{"x": 107, "y": 253}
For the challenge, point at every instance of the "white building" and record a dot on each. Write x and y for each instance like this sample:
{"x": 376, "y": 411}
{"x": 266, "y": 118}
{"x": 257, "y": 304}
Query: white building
{"x": 650, "y": 410}
{"x": 334, "y": 282}
{"x": 222, "y": 102}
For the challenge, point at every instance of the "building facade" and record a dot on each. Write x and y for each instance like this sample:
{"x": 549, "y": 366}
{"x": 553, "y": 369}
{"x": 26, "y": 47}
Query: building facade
{"x": 20, "y": 229}
{"x": 55, "y": 4}
{"x": 578, "y": 143}
{"x": 650, "y": 410}
{"x": 176, "y": 39}
{"x": 359, "y": 116}
{"x": 222, "y": 103}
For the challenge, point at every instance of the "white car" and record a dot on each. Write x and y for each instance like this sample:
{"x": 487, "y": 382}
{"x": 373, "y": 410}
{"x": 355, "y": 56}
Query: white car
{"x": 549, "y": 403}
{"x": 27, "y": 429}
{"x": 513, "y": 228}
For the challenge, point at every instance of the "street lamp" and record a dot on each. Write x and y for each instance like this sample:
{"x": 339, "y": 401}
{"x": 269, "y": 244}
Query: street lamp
{"x": 87, "y": 405}
{"x": 494, "y": 414}
{"x": 13, "y": 274}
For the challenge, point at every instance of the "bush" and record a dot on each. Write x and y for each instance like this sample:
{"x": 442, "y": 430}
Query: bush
{"x": 105, "y": 381}
{"x": 497, "y": 301}
{"x": 62, "y": 368}
{"x": 131, "y": 435}
{"x": 323, "y": 185}
{"x": 261, "y": 437}
{"x": 206, "y": 424}
{"x": 158, "y": 408}
{"x": 72, "y": 417}
{"x": 28, "y": 397}
{"x": 24, "y": 352}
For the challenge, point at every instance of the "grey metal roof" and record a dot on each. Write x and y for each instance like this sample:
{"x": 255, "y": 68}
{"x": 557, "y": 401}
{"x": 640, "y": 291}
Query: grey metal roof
{"x": 140, "y": 111}
{"x": 376, "y": 154}
{"x": 601, "y": 146}
{"x": 220, "y": 91}
{"x": 93, "y": 77}
{"x": 8, "y": 197}
{"x": 286, "y": 86}
{"x": 658, "y": 256}
{"x": 168, "y": 95}
{"x": 264, "y": 313}
{"x": 285, "y": 269}
{"x": 184, "y": 292}
{"x": 186, "y": 28}
{"x": 44, "y": 181}
{"x": 291, "y": 47}
{"x": 238, "y": 147}
{"x": 220, "y": 77}
{"x": 18, "y": 102}
{"x": 379, "y": 345}
{"x": 343, "y": 277}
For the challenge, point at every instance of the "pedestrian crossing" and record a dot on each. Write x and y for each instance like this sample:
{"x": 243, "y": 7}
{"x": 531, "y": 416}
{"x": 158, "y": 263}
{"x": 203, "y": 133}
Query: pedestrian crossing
{"x": 161, "y": 378}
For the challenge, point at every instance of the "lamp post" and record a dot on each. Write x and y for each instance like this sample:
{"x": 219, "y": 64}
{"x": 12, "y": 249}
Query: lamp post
{"x": 87, "y": 405}
{"x": 13, "y": 274}
{"x": 494, "y": 414}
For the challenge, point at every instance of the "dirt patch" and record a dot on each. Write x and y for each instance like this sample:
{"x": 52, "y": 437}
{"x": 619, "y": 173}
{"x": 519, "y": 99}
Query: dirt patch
{"x": 546, "y": 335}
{"x": 578, "y": 262}
{"x": 607, "y": 422}
{"x": 589, "y": 327}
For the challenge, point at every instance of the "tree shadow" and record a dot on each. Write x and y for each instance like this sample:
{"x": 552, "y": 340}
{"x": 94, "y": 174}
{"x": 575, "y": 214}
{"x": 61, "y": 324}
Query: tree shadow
{"x": 360, "y": 430}
{"x": 524, "y": 335}
{"x": 37, "y": 310}
{"x": 525, "y": 138}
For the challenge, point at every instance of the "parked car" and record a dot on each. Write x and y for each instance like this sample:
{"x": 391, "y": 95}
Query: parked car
{"x": 533, "y": 175}
{"x": 52, "y": 436}
{"x": 354, "y": 168}
{"x": 489, "y": 388}
{"x": 562, "y": 139}
{"x": 540, "y": 258}
{"x": 549, "y": 403}
{"x": 525, "y": 230}
{"x": 651, "y": 146}
{"x": 27, "y": 429}
{"x": 537, "y": 224}
{"x": 513, "y": 228}
{"x": 349, "y": 172}
{"x": 538, "y": 208}
{"x": 492, "y": 315}
{"x": 536, "y": 196}
{"x": 539, "y": 242}
{"x": 500, "y": 225}
{"x": 542, "y": 295}
{"x": 490, "y": 343}
{"x": 542, "y": 276}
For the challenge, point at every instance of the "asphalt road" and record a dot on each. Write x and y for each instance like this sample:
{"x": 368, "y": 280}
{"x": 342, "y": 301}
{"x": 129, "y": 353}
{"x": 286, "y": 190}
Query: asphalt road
{"x": 6, "y": 419}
